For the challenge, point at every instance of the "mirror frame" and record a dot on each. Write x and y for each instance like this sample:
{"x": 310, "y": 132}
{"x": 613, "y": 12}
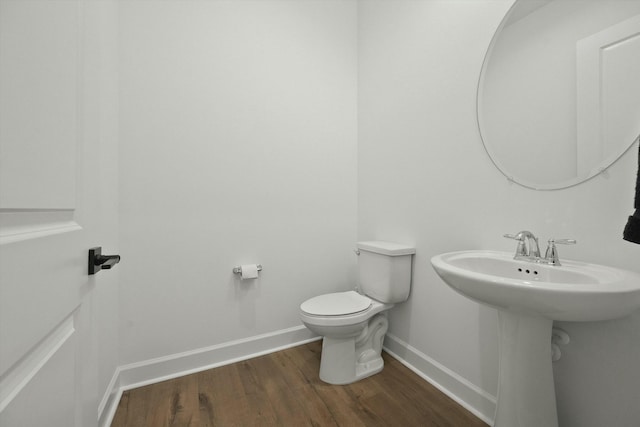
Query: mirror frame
{"x": 600, "y": 169}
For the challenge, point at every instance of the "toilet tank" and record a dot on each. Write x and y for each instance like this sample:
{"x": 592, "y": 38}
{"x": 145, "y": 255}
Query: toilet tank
{"x": 384, "y": 270}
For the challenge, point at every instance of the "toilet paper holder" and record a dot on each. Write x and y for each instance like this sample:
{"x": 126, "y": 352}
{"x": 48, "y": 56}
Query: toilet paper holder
{"x": 238, "y": 269}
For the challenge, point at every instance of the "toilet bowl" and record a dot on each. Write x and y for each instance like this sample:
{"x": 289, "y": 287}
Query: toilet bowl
{"x": 353, "y": 325}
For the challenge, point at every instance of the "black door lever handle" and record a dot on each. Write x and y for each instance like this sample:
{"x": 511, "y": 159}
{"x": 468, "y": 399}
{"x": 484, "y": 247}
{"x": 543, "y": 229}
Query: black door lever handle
{"x": 98, "y": 262}
{"x": 107, "y": 261}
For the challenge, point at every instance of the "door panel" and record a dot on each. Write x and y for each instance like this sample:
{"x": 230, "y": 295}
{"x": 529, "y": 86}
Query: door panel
{"x": 40, "y": 287}
{"x": 39, "y": 83}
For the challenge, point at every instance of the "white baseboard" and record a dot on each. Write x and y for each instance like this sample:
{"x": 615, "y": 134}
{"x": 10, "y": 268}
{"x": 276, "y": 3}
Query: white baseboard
{"x": 164, "y": 368}
{"x": 475, "y": 400}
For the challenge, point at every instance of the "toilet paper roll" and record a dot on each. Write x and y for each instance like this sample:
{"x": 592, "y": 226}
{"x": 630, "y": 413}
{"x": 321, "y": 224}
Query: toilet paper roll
{"x": 248, "y": 271}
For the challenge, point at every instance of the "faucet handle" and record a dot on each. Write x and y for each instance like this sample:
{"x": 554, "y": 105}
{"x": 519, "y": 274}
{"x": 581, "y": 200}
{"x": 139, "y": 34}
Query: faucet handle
{"x": 551, "y": 255}
{"x": 521, "y": 250}
{"x": 563, "y": 241}
{"x": 518, "y": 236}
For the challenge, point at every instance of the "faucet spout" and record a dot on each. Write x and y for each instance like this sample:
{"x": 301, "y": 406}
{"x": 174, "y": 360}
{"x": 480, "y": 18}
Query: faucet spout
{"x": 534, "y": 248}
{"x": 528, "y": 247}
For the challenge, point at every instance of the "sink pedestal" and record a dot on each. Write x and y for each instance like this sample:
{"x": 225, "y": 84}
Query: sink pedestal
{"x": 526, "y": 392}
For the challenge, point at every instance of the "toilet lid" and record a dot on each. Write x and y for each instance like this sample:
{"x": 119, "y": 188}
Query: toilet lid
{"x": 336, "y": 304}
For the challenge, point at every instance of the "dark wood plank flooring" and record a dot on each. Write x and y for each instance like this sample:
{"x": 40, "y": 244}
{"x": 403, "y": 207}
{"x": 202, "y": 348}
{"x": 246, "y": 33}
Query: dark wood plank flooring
{"x": 283, "y": 389}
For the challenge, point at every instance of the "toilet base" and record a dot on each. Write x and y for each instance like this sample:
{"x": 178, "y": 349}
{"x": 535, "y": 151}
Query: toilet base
{"x": 347, "y": 360}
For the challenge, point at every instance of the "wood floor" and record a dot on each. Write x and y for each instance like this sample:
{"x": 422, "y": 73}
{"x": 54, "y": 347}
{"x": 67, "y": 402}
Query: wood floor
{"x": 283, "y": 389}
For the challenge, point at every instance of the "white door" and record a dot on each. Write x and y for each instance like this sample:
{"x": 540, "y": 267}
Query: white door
{"x": 52, "y": 157}
{"x": 608, "y": 108}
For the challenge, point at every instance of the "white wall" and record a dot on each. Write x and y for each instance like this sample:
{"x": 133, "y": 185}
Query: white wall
{"x": 424, "y": 178}
{"x": 238, "y": 145}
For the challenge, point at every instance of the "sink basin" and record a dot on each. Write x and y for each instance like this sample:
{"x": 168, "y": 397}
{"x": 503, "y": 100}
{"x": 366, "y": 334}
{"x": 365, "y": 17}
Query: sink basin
{"x": 529, "y": 297}
{"x": 574, "y": 291}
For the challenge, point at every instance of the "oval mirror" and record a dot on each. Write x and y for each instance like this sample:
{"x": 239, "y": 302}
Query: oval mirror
{"x": 559, "y": 92}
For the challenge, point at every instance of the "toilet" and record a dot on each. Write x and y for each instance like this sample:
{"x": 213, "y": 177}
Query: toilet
{"x": 353, "y": 324}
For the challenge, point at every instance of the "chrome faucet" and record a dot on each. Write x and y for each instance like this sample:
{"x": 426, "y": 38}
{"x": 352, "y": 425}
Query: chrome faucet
{"x": 528, "y": 249}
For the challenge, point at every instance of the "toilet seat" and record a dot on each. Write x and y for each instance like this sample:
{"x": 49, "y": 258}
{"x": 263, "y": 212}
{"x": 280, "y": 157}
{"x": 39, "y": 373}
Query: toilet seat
{"x": 336, "y": 304}
{"x": 361, "y": 309}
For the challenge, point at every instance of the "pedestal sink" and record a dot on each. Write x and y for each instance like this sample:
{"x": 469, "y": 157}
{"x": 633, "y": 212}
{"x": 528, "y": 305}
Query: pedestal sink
{"x": 529, "y": 297}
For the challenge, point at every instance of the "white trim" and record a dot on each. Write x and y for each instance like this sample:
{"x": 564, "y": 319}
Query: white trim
{"x": 151, "y": 371}
{"x": 17, "y": 225}
{"x": 477, "y": 401}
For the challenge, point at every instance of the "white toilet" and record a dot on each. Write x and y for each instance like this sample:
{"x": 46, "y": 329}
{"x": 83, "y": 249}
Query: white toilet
{"x": 354, "y": 324}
